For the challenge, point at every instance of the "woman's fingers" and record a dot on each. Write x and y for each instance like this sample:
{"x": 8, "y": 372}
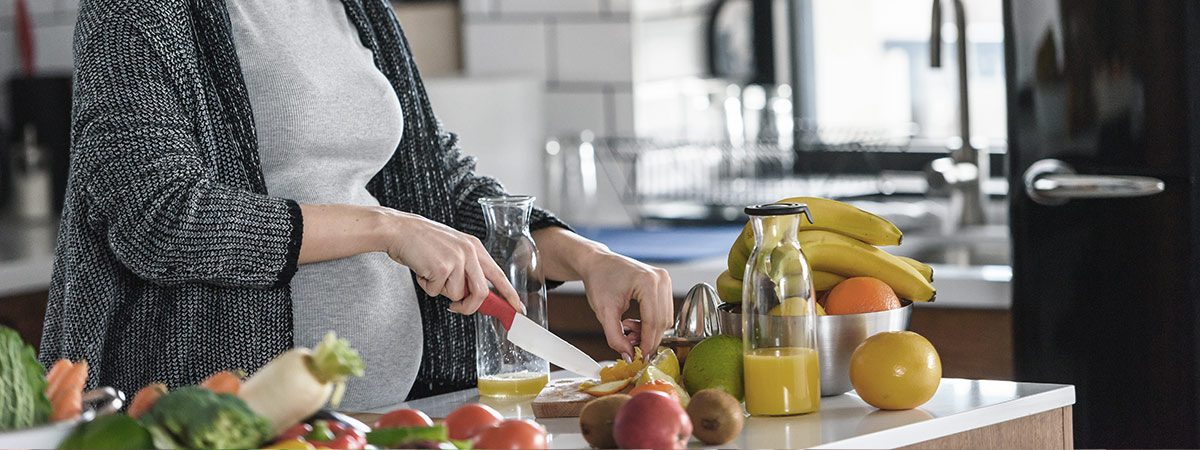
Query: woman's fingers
{"x": 477, "y": 285}
{"x": 614, "y": 333}
{"x": 633, "y": 330}
{"x": 434, "y": 278}
{"x": 456, "y": 284}
{"x": 499, "y": 280}
{"x": 657, "y": 310}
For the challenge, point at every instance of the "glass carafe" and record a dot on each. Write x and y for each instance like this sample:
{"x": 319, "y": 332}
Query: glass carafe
{"x": 779, "y": 327}
{"x": 505, "y": 370}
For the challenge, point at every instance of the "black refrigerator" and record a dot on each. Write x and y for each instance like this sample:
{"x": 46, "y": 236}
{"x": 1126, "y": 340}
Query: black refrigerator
{"x": 1103, "y": 171}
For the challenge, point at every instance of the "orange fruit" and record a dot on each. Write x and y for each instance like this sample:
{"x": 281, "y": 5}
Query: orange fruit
{"x": 657, "y": 385}
{"x": 861, "y": 295}
{"x": 895, "y": 370}
{"x": 621, "y": 370}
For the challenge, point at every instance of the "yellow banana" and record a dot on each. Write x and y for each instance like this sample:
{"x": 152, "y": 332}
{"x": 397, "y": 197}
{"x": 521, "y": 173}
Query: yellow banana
{"x": 841, "y": 218}
{"x": 828, "y": 215}
{"x": 824, "y": 281}
{"x": 835, "y": 253}
{"x": 738, "y": 254}
{"x": 728, "y": 288}
{"x": 925, "y": 269}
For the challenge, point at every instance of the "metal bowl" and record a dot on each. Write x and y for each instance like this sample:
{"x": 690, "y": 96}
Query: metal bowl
{"x": 837, "y": 337}
{"x": 96, "y": 402}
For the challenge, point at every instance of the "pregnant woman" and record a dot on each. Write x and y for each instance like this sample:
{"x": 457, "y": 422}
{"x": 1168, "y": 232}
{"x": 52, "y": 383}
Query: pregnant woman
{"x": 247, "y": 175}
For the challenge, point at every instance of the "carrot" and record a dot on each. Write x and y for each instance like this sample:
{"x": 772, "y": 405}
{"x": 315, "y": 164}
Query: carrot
{"x": 224, "y": 382}
{"x": 56, "y": 377}
{"x": 67, "y": 402}
{"x": 66, "y": 406}
{"x": 58, "y": 368}
{"x": 145, "y": 398}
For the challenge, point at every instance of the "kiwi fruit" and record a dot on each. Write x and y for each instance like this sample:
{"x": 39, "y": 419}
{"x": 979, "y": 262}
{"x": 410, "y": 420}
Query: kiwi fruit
{"x": 717, "y": 417}
{"x": 596, "y": 420}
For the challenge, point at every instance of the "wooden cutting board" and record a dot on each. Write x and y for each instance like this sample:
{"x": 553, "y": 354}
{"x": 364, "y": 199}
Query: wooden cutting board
{"x": 561, "y": 398}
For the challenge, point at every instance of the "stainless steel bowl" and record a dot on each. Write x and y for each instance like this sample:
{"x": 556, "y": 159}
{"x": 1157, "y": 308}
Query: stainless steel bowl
{"x": 837, "y": 337}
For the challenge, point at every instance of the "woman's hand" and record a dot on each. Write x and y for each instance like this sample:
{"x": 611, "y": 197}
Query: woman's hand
{"x": 447, "y": 262}
{"x": 611, "y": 281}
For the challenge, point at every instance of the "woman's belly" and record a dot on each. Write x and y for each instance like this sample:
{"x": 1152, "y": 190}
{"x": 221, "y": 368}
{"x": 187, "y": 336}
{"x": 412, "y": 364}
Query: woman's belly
{"x": 370, "y": 301}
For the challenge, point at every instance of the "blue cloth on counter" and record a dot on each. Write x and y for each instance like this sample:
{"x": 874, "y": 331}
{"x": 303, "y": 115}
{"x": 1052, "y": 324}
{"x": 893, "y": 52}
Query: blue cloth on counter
{"x": 666, "y": 245}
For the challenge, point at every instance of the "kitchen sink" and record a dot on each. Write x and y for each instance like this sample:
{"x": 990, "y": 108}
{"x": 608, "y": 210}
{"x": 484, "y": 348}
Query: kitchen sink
{"x": 971, "y": 267}
{"x": 986, "y": 245}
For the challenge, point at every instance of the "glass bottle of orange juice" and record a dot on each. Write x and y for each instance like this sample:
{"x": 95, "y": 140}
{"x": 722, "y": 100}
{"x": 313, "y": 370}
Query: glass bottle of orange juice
{"x": 505, "y": 370}
{"x": 779, "y": 327}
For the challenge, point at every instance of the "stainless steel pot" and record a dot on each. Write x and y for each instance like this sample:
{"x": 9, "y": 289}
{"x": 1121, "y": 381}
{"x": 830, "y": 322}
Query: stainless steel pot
{"x": 837, "y": 337}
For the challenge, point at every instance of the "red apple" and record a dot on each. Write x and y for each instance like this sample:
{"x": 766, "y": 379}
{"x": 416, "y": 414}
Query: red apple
{"x": 652, "y": 419}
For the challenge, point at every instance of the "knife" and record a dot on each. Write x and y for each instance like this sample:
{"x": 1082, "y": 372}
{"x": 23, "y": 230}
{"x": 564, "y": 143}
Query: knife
{"x": 527, "y": 334}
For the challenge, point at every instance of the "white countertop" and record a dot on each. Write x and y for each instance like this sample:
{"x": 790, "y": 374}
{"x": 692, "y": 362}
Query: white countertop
{"x": 844, "y": 421}
{"x": 983, "y": 287}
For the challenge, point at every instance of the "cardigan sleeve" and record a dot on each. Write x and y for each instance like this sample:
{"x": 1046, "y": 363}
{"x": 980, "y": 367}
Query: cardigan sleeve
{"x": 147, "y": 186}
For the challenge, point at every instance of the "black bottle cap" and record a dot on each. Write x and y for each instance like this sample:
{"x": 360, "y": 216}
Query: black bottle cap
{"x": 777, "y": 209}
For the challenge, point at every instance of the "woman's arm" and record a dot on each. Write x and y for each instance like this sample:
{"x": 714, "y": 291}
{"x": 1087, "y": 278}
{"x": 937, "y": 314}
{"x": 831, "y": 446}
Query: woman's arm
{"x": 447, "y": 262}
{"x": 611, "y": 281}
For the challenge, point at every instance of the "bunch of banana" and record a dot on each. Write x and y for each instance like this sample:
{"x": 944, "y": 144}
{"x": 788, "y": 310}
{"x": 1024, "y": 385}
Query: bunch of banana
{"x": 840, "y": 243}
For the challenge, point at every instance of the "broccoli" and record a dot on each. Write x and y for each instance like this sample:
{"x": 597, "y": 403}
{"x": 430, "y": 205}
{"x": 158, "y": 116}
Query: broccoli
{"x": 194, "y": 417}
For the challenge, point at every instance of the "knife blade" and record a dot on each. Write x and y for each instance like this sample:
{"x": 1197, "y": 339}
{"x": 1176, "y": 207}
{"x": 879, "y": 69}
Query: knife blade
{"x": 527, "y": 334}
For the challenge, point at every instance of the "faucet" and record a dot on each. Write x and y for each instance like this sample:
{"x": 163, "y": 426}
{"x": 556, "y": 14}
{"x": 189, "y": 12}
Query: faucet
{"x": 964, "y": 172}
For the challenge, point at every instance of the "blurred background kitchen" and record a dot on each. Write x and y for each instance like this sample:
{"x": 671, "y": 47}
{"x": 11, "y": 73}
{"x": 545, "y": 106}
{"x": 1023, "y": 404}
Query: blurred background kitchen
{"x": 649, "y": 124}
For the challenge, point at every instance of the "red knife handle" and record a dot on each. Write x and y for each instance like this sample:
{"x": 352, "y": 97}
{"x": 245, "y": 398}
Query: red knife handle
{"x": 495, "y": 306}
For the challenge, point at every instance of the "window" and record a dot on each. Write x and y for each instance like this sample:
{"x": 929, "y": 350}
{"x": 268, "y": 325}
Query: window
{"x": 868, "y": 68}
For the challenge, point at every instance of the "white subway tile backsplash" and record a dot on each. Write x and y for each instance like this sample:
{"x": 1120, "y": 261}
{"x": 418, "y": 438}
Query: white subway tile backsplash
{"x": 568, "y": 113}
{"x": 669, "y": 48}
{"x": 53, "y": 52}
{"x": 609, "y": 64}
{"x": 548, "y": 7}
{"x": 505, "y": 48}
{"x": 619, "y": 6}
{"x": 659, "y": 109}
{"x": 695, "y": 6}
{"x": 623, "y": 114}
{"x": 478, "y": 6}
{"x": 40, "y": 6}
{"x": 653, "y": 8}
{"x": 593, "y": 52}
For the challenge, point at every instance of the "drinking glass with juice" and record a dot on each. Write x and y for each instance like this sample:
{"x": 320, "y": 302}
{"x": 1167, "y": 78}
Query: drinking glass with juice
{"x": 780, "y": 361}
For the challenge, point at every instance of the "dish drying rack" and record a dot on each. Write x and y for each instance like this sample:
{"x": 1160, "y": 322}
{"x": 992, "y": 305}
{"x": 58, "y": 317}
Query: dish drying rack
{"x": 676, "y": 180}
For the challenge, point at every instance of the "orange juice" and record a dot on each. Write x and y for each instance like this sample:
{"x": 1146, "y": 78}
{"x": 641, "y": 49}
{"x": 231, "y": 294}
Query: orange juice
{"x": 782, "y": 381}
{"x": 517, "y": 384}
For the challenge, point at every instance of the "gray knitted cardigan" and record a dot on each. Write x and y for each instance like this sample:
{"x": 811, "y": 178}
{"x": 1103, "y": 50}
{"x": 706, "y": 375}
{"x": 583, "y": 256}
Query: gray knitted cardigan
{"x": 173, "y": 261}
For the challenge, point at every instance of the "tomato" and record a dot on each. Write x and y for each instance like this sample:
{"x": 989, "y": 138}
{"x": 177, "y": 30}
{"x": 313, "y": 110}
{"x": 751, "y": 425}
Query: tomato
{"x": 403, "y": 418}
{"x": 299, "y": 430}
{"x": 657, "y": 385}
{"x": 468, "y": 420}
{"x": 512, "y": 434}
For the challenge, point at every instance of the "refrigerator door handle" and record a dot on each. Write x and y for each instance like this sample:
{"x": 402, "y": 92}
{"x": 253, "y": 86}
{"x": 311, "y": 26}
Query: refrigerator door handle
{"x": 1053, "y": 182}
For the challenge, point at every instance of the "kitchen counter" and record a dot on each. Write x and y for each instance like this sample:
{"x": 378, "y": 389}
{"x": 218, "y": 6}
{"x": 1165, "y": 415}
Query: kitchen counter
{"x": 963, "y": 413}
